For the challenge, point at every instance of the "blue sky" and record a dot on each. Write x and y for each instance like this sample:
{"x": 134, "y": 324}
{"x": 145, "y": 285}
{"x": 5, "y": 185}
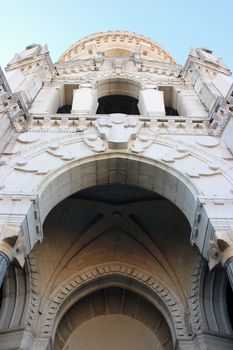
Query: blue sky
{"x": 175, "y": 24}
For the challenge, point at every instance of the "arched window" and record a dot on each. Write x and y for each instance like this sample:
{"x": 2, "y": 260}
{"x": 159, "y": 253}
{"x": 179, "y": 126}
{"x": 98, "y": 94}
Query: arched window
{"x": 118, "y": 96}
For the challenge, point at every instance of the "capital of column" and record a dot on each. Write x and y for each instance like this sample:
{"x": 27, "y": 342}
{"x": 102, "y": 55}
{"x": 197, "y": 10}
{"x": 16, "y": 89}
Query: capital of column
{"x": 12, "y": 242}
{"x": 222, "y": 252}
{"x": 221, "y": 245}
{"x": 227, "y": 255}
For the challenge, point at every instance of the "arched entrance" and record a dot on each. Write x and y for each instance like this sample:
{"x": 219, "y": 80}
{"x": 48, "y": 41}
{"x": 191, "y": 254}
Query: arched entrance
{"x": 113, "y": 318}
{"x": 115, "y": 236}
{"x": 116, "y": 239}
{"x": 123, "y": 169}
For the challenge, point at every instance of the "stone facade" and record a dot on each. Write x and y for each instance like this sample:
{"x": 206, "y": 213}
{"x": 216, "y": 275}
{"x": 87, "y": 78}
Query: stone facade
{"x": 116, "y": 227}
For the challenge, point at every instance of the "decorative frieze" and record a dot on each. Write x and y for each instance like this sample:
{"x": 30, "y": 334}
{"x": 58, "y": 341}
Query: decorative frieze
{"x": 61, "y": 293}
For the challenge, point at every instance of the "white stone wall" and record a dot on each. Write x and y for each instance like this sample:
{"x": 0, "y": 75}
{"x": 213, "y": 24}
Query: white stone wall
{"x": 46, "y": 157}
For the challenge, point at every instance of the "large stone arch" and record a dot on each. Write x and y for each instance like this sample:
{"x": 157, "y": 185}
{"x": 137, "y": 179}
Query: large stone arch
{"x": 161, "y": 170}
{"x": 38, "y": 307}
{"x": 123, "y": 169}
{"x": 83, "y": 160}
{"x": 101, "y": 170}
{"x": 114, "y": 303}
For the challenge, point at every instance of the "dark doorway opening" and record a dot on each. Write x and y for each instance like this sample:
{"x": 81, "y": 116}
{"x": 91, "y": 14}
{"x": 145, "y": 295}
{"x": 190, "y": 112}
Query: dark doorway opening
{"x": 118, "y": 104}
{"x": 66, "y": 109}
{"x": 171, "y": 111}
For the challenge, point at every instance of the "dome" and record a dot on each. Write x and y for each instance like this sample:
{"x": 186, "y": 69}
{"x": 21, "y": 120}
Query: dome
{"x": 117, "y": 44}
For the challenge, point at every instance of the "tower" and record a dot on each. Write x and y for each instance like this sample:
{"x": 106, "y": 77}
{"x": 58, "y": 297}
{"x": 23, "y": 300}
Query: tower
{"x": 116, "y": 198}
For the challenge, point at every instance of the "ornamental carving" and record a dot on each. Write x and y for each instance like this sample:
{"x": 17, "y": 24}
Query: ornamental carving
{"x": 63, "y": 292}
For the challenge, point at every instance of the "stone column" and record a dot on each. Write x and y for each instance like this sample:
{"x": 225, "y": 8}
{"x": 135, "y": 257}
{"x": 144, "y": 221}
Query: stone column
{"x": 229, "y": 269}
{"x": 221, "y": 250}
{"x": 4, "y": 263}
{"x": 6, "y": 256}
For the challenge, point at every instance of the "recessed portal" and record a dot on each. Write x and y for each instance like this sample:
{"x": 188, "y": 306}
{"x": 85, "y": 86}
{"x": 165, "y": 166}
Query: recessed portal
{"x": 113, "y": 318}
{"x": 115, "y": 224}
{"x": 115, "y": 332}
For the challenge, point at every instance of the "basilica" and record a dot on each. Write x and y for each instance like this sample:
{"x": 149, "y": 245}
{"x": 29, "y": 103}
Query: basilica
{"x": 116, "y": 198}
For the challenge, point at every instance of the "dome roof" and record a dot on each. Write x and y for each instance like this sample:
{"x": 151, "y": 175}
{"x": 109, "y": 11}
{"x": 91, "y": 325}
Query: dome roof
{"x": 116, "y": 44}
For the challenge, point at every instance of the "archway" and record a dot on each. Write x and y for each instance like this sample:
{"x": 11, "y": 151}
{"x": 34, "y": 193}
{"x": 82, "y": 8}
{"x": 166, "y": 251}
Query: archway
{"x": 121, "y": 230}
{"x": 216, "y": 300}
{"x": 113, "y": 318}
{"x": 124, "y": 169}
{"x": 120, "y": 216}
